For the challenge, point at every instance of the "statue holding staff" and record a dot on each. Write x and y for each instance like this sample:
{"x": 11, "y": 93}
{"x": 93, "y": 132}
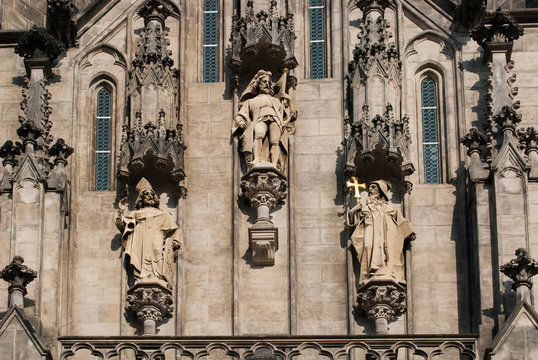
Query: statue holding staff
{"x": 264, "y": 121}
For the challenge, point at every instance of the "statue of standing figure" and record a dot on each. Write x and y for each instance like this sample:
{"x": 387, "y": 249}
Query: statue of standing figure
{"x": 379, "y": 234}
{"x": 150, "y": 237}
{"x": 264, "y": 121}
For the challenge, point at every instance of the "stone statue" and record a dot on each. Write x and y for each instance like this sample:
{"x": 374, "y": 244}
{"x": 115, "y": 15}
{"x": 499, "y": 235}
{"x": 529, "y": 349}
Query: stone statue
{"x": 379, "y": 233}
{"x": 150, "y": 237}
{"x": 264, "y": 121}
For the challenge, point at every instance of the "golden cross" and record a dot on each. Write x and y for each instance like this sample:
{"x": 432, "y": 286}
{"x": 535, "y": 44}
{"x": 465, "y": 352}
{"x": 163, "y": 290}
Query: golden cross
{"x": 354, "y": 183}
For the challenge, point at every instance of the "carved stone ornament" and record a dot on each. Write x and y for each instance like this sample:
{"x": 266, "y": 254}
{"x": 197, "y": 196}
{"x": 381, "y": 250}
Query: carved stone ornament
{"x": 381, "y": 302}
{"x": 18, "y": 276}
{"x": 379, "y": 142}
{"x": 521, "y": 270}
{"x": 153, "y": 142}
{"x": 265, "y": 38}
{"x": 38, "y": 44}
{"x": 497, "y": 26}
{"x": 475, "y": 140}
{"x": 47, "y": 163}
{"x": 376, "y": 136}
{"x": 264, "y": 187}
{"x": 62, "y": 23}
{"x": 151, "y": 303}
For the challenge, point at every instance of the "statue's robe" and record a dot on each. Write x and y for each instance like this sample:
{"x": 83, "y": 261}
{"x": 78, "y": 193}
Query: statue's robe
{"x": 149, "y": 238}
{"x": 379, "y": 237}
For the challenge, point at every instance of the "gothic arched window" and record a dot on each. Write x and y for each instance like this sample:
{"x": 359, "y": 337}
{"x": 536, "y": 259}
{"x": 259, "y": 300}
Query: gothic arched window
{"x": 103, "y": 139}
{"x": 430, "y": 130}
{"x": 318, "y": 46}
{"x": 210, "y": 41}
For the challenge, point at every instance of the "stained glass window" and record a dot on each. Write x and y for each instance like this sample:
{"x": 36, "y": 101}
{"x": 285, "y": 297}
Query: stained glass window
{"x": 103, "y": 129}
{"x": 318, "y": 54}
{"x": 210, "y": 41}
{"x": 430, "y": 131}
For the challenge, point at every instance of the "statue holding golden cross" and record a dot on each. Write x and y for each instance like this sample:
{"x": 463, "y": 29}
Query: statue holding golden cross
{"x": 354, "y": 183}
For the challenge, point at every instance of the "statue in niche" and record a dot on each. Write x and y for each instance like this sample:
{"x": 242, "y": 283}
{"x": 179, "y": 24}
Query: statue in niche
{"x": 265, "y": 121}
{"x": 379, "y": 233}
{"x": 150, "y": 237}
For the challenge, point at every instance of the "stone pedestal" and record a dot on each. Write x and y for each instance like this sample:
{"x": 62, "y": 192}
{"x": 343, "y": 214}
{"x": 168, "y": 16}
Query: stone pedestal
{"x": 382, "y": 302}
{"x": 264, "y": 186}
{"x": 152, "y": 302}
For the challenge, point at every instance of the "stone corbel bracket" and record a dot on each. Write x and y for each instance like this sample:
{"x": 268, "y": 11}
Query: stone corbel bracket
{"x": 263, "y": 38}
{"x": 151, "y": 303}
{"x": 381, "y": 302}
{"x": 264, "y": 187}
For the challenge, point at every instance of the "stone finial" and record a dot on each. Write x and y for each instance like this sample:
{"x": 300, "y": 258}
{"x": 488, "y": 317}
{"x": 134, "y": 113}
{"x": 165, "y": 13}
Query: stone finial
{"x": 507, "y": 119}
{"x": 61, "y": 151}
{"x": 155, "y": 10}
{"x": 521, "y": 270}
{"x": 38, "y": 43}
{"x": 497, "y": 26}
{"x": 9, "y": 152}
{"x": 368, "y": 5}
{"x": 61, "y": 21}
{"x": 18, "y": 276}
{"x": 151, "y": 302}
{"x": 474, "y": 140}
{"x": 382, "y": 302}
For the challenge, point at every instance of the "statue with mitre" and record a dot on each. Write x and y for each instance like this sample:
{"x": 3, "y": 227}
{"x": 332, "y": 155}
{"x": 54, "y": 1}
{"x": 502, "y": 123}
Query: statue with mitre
{"x": 150, "y": 237}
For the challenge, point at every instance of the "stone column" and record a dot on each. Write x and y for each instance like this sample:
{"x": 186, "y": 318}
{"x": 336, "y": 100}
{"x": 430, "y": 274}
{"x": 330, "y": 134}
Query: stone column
{"x": 18, "y": 276}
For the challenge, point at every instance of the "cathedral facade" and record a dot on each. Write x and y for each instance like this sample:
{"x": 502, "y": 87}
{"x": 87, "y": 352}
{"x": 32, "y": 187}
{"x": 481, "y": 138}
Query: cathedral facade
{"x": 268, "y": 179}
